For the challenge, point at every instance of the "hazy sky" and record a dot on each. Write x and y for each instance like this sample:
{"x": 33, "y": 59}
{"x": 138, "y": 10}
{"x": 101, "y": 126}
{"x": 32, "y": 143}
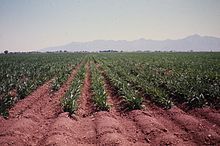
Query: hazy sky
{"x": 34, "y": 24}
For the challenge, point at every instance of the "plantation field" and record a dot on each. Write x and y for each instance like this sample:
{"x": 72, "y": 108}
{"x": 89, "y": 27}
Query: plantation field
{"x": 110, "y": 99}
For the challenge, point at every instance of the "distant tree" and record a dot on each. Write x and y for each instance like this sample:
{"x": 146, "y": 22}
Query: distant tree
{"x": 6, "y": 51}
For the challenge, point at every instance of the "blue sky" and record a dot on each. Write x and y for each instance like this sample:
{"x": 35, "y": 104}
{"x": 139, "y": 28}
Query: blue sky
{"x": 27, "y": 25}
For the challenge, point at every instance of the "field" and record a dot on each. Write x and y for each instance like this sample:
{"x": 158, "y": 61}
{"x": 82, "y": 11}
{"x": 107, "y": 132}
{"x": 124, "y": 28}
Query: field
{"x": 110, "y": 99}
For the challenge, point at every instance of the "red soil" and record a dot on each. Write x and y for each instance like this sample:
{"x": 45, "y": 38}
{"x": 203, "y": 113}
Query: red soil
{"x": 31, "y": 118}
{"x": 85, "y": 100}
{"x": 211, "y": 115}
{"x": 38, "y": 120}
{"x": 170, "y": 127}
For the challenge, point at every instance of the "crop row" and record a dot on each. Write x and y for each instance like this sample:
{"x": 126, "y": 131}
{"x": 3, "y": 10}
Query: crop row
{"x": 192, "y": 79}
{"x": 20, "y": 74}
{"x": 136, "y": 84}
{"x": 130, "y": 95}
{"x": 169, "y": 77}
{"x": 99, "y": 94}
{"x": 69, "y": 101}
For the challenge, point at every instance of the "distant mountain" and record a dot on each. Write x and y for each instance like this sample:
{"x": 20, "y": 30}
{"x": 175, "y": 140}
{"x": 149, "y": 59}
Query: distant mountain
{"x": 194, "y": 42}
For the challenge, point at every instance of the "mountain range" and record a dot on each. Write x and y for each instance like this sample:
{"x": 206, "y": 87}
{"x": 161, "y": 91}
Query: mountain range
{"x": 190, "y": 43}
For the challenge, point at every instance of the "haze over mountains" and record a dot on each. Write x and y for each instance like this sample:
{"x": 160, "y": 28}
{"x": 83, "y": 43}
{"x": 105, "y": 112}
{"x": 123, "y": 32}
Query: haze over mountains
{"x": 194, "y": 42}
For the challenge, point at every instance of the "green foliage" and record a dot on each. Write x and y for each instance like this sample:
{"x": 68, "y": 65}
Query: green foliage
{"x": 23, "y": 73}
{"x": 167, "y": 78}
{"x": 69, "y": 103}
{"x": 58, "y": 81}
{"x": 164, "y": 78}
{"x": 99, "y": 94}
{"x": 125, "y": 89}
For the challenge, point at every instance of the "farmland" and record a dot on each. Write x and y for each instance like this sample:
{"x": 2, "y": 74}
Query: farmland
{"x": 110, "y": 99}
